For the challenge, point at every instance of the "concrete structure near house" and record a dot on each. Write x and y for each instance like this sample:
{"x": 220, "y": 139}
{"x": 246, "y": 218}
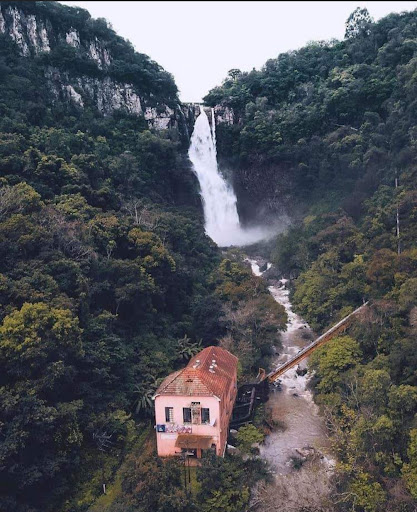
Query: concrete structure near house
{"x": 193, "y": 406}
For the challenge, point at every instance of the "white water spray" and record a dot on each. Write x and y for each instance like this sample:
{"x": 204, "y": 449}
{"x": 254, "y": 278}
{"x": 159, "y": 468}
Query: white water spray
{"x": 213, "y": 131}
{"x": 219, "y": 200}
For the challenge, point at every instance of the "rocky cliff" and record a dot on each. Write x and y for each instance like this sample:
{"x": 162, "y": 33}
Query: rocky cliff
{"x": 84, "y": 64}
{"x": 222, "y": 114}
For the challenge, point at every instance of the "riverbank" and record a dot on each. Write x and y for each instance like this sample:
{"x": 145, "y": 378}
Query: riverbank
{"x": 298, "y": 453}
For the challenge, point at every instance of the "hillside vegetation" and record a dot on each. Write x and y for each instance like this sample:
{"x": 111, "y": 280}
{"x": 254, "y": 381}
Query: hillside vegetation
{"x": 331, "y": 127}
{"x": 107, "y": 281}
{"x": 120, "y": 62}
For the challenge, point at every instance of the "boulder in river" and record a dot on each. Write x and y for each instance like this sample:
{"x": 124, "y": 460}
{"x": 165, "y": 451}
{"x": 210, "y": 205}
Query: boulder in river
{"x": 307, "y": 452}
{"x": 263, "y": 266}
{"x": 301, "y": 371}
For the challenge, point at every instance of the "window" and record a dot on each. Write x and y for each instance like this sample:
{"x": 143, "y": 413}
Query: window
{"x": 196, "y": 413}
{"x": 205, "y": 415}
{"x": 186, "y": 414}
{"x": 169, "y": 414}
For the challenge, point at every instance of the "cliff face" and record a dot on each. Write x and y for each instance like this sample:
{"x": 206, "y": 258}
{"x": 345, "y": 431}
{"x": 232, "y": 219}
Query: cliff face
{"x": 81, "y": 65}
{"x": 222, "y": 114}
{"x": 30, "y": 34}
{"x": 40, "y": 33}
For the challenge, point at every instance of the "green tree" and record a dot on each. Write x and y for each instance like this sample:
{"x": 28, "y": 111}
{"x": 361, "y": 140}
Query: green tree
{"x": 37, "y": 337}
{"x": 186, "y": 349}
{"x": 333, "y": 359}
{"x": 358, "y": 23}
{"x": 367, "y": 494}
{"x": 234, "y": 73}
{"x": 375, "y": 387}
{"x": 144, "y": 398}
{"x": 150, "y": 484}
{"x": 409, "y": 469}
{"x": 247, "y": 436}
{"x": 20, "y": 198}
{"x": 231, "y": 500}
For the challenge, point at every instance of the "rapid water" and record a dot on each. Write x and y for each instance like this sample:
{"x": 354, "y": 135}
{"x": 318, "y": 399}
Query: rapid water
{"x": 304, "y": 431}
{"x": 219, "y": 200}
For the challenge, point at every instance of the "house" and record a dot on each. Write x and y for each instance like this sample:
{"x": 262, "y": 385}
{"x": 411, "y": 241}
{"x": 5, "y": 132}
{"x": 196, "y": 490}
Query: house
{"x": 193, "y": 406}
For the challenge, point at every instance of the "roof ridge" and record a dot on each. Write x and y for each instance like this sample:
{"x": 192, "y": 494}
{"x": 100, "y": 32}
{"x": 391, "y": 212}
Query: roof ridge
{"x": 210, "y": 375}
{"x": 207, "y": 381}
{"x": 193, "y": 359}
{"x": 217, "y": 347}
{"x": 196, "y": 372}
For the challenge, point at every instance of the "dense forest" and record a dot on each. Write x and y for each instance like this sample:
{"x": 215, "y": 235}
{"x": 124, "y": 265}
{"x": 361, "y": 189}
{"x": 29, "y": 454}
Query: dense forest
{"x": 108, "y": 281}
{"x": 107, "y": 284}
{"x": 332, "y": 128}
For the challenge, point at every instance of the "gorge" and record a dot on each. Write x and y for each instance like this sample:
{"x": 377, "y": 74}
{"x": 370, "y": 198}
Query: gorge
{"x": 126, "y": 218}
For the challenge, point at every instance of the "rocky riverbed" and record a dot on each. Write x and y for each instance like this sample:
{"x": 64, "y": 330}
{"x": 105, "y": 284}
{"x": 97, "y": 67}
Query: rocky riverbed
{"x": 298, "y": 450}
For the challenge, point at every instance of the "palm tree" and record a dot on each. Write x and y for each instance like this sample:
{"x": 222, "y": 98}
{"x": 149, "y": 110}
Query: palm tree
{"x": 144, "y": 393}
{"x": 187, "y": 349}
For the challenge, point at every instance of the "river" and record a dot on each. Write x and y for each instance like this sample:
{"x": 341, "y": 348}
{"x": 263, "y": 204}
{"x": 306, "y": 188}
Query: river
{"x": 302, "y": 437}
{"x": 302, "y": 440}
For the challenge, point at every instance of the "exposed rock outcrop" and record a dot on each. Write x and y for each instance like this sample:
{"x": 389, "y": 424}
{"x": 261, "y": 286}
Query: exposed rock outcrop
{"x": 161, "y": 119}
{"x": 73, "y": 38}
{"x": 105, "y": 93}
{"x": 221, "y": 114}
{"x": 99, "y": 54}
{"x": 27, "y": 31}
{"x": 35, "y": 34}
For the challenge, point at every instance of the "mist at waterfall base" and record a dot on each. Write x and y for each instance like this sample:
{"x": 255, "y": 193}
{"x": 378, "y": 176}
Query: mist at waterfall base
{"x": 219, "y": 200}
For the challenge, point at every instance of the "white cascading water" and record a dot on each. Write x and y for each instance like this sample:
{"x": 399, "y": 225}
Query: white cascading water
{"x": 219, "y": 201}
{"x": 293, "y": 405}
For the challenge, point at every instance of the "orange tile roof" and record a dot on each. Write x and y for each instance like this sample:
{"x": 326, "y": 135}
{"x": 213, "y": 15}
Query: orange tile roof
{"x": 201, "y": 376}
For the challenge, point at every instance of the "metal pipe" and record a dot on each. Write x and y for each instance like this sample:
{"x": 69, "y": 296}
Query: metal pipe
{"x": 306, "y": 351}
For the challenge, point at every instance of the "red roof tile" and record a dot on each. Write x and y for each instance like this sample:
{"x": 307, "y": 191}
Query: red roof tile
{"x": 210, "y": 372}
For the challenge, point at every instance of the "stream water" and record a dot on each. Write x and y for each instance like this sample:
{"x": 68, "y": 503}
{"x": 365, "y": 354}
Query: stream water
{"x": 291, "y": 403}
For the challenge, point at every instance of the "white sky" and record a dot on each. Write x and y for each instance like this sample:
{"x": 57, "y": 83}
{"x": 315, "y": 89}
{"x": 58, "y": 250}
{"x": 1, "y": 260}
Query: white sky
{"x": 198, "y": 42}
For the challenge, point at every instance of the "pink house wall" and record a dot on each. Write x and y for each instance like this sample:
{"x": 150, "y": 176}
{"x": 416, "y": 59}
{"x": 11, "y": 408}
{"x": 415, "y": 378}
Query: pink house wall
{"x": 166, "y": 441}
{"x": 226, "y": 408}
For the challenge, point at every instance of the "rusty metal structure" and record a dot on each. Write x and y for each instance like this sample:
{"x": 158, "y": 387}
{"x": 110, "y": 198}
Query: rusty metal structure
{"x": 251, "y": 394}
{"x": 306, "y": 351}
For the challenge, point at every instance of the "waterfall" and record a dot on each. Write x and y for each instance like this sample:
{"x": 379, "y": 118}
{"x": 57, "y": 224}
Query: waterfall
{"x": 213, "y": 131}
{"x": 219, "y": 200}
